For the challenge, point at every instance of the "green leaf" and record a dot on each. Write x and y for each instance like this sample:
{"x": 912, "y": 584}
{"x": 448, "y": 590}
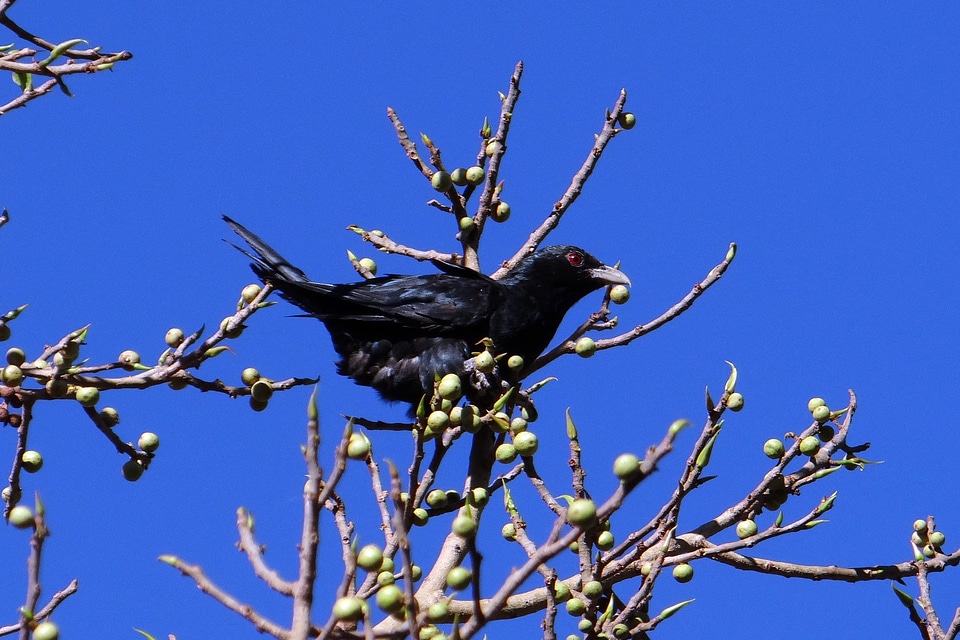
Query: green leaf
{"x": 669, "y": 611}
{"x": 312, "y": 412}
{"x": 905, "y": 598}
{"x": 23, "y": 80}
{"x": 826, "y": 504}
{"x": 59, "y": 50}
{"x": 539, "y": 385}
{"x": 731, "y": 384}
{"x": 677, "y": 426}
{"x": 703, "y": 459}
{"x": 144, "y": 634}
{"x": 502, "y": 400}
{"x": 571, "y": 427}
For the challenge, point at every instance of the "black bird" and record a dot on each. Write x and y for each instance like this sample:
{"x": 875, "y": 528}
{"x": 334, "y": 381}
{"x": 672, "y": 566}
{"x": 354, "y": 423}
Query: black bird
{"x": 396, "y": 333}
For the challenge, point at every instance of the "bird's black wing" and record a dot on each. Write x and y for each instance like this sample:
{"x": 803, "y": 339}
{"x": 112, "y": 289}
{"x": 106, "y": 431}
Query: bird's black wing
{"x": 430, "y": 305}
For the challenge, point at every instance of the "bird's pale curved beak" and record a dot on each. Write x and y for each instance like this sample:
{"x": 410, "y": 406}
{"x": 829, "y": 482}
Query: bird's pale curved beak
{"x": 609, "y": 275}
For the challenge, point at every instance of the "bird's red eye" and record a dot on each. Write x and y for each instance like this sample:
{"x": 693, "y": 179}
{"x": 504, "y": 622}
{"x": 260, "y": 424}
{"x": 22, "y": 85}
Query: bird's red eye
{"x": 575, "y": 258}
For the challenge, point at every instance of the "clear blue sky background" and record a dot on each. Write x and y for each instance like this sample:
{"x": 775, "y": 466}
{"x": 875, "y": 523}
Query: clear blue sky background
{"x": 822, "y": 138}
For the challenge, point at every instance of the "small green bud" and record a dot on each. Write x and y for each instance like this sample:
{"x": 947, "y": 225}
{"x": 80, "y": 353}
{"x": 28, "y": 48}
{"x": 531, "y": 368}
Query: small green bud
{"x": 12, "y": 376}
{"x": 348, "y": 609}
{"x": 249, "y": 376}
{"x": 585, "y": 347}
{"x": 57, "y": 387}
{"x": 449, "y": 387}
{"x": 4, "y": 332}
{"x": 370, "y": 558}
{"x": 821, "y": 414}
{"x": 593, "y": 589}
{"x": 358, "y": 447}
{"x": 492, "y": 148}
{"x": 937, "y": 539}
{"x": 746, "y": 528}
{"x": 920, "y": 526}
{"x": 88, "y": 396}
{"x": 515, "y": 363}
{"x": 683, "y": 572}
{"x": 773, "y": 448}
{"x": 110, "y": 417}
{"x": 605, "y": 541}
{"x": 576, "y": 607}
{"x": 459, "y": 578}
{"x": 46, "y": 630}
{"x": 441, "y": 181}
{"x": 438, "y": 611}
{"x": 485, "y": 361}
{"x": 466, "y": 224}
{"x": 369, "y": 264}
{"x": 174, "y": 338}
{"x": 21, "y": 516}
{"x": 437, "y": 421}
{"x": 809, "y": 446}
{"x": 261, "y": 391}
{"x": 735, "y": 401}
{"x": 464, "y": 526}
{"x": 149, "y": 441}
{"x": 506, "y": 453}
{"x": 526, "y": 443}
{"x": 31, "y": 461}
{"x": 475, "y": 176}
{"x": 626, "y": 466}
{"x": 256, "y": 405}
{"x": 420, "y": 517}
{"x": 561, "y": 591}
{"x": 509, "y": 532}
{"x": 128, "y": 359}
{"x": 502, "y": 212}
{"x": 132, "y": 470}
{"x": 518, "y": 425}
{"x": 478, "y": 497}
{"x": 437, "y": 499}
{"x": 16, "y": 356}
{"x": 235, "y": 332}
{"x": 250, "y": 293}
{"x": 459, "y": 176}
{"x": 619, "y": 294}
{"x": 385, "y": 577}
{"x": 582, "y": 513}
{"x": 627, "y": 120}
{"x": 814, "y": 403}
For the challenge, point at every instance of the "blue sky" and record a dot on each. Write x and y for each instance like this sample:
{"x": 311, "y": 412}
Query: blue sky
{"x": 821, "y": 137}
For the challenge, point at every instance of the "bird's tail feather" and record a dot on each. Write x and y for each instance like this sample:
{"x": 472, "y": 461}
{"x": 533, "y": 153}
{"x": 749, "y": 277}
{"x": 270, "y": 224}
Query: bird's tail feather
{"x": 267, "y": 262}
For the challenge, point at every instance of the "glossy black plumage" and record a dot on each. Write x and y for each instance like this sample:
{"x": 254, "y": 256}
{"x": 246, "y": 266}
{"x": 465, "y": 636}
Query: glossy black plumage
{"x": 395, "y": 333}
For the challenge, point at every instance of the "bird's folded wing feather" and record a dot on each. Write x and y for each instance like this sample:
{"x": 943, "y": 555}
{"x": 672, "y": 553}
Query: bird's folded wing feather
{"x": 438, "y": 304}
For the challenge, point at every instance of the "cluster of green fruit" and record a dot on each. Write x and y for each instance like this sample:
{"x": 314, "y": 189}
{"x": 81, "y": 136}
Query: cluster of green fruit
{"x": 473, "y": 176}
{"x": 390, "y": 598}
{"x": 928, "y": 541}
{"x": 810, "y": 445}
{"x": 261, "y": 388}
{"x": 56, "y": 387}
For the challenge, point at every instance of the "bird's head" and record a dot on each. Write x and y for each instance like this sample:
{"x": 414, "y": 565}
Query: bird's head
{"x": 564, "y": 273}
